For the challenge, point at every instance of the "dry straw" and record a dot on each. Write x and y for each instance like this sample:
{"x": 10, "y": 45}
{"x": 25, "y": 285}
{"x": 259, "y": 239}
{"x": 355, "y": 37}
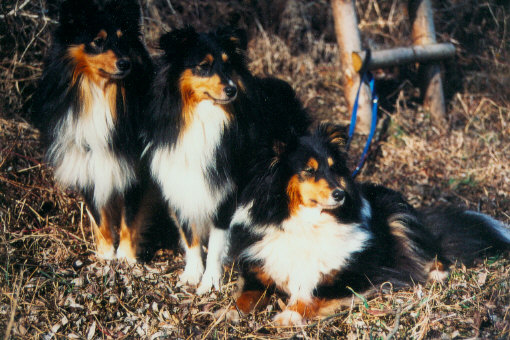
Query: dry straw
{"x": 51, "y": 285}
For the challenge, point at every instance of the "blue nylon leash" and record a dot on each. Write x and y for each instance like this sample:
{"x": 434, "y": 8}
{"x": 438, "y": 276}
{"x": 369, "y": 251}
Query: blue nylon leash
{"x": 367, "y": 77}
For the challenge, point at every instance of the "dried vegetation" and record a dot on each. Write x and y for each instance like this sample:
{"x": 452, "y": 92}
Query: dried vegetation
{"x": 51, "y": 285}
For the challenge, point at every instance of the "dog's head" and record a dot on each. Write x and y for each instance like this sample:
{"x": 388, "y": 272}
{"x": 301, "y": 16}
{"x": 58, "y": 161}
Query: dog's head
{"x": 206, "y": 64}
{"x": 319, "y": 174}
{"x": 102, "y": 37}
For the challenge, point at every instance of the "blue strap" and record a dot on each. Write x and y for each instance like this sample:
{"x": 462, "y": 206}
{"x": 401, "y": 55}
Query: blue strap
{"x": 367, "y": 77}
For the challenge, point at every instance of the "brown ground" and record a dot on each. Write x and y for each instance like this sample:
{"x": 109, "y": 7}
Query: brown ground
{"x": 51, "y": 285}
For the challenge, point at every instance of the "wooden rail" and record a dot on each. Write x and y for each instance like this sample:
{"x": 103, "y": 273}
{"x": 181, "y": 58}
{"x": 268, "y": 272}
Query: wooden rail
{"x": 425, "y": 51}
{"x": 403, "y": 55}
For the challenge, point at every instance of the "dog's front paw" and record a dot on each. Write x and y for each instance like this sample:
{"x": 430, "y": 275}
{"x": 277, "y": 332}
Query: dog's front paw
{"x": 105, "y": 251}
{"x": 191, "y": 274}
{"x": 127, "y": 253}
{"x": 288, "y": 318}
{"x": 211, "y": 279}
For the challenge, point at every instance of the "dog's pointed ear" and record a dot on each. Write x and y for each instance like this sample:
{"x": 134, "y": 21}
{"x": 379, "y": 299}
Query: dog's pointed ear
{"x": 235, "y": 38}
{"x": 282, "y": 149}
{"x": 334, "y": 134}
{"x": 177, "y": 40}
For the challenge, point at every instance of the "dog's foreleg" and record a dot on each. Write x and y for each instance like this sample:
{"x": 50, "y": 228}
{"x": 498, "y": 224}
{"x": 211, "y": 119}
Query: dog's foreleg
{"x": 213, "y": 268}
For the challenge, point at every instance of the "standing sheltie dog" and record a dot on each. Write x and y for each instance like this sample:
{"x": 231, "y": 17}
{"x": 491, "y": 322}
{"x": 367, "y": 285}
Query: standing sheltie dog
{"x": 211, "y": 119}
{"x": 306, "y": 229}
{"x": 89, "y": 107}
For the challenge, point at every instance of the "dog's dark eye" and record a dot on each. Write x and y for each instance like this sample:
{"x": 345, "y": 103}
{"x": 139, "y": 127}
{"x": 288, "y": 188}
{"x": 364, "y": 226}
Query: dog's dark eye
{"x": 309, "y": 171}
{"x": 98, "y": 42}
{"x": 205, "y": 66}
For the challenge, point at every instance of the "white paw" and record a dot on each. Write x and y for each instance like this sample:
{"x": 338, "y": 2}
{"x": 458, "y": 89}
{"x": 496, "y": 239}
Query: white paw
{"x": 126, "y": 254}
{"x": 438, "y": 275}
{"x": 192, "y": 273}
{"x": 233, "y": 316}
{"x": 194, "y": 267}
{"x": 288, "y": 318}
{"x": 105, "y": 252}
{"x": 210, "y": 280}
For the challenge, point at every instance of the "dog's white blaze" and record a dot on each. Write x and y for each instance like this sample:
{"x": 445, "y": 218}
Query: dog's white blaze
{"x": 182, "y": 168}
{"x": 82, "y": 156}
{"x": 309, "y": 244}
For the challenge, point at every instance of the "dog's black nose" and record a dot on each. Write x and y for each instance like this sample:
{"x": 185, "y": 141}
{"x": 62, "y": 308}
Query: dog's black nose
{"x": 123, "y": 64}
{"x": 338, "y": 195}
{"x": 230, "y": 91}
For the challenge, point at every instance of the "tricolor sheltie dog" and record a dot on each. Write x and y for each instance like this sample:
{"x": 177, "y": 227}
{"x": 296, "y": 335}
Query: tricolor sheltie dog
{"x": 89, "y": 108}
{"x": 306, "y": 229}
{"x": 211, "y": 119}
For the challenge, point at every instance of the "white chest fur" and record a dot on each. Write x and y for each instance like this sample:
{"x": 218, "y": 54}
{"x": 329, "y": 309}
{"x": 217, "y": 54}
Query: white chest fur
{"x": 308, "y": 245}
{"x": 182, "y": 169}
{"x": 81, "y": 154}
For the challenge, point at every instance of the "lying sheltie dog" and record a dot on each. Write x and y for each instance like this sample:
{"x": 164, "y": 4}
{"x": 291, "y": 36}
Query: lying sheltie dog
{"x": 211, "y": 118}
{"x": 89, "y": 107}
{"x": 305, "y": 229}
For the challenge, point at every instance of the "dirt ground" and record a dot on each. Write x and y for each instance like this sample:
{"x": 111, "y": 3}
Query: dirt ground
{"x": 51, "y": 284}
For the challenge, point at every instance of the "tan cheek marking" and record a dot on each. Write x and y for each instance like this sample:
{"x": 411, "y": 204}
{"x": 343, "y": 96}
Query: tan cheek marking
{"x": 90, "y": 65}
{"x": 106, "y": 61}
{"x": 293, "y": 192}
{"x": 79, "y": 58}
{"x": 86, "y": 68}
{"x": 194, "y": 88}
{"x": 314, "y": 192}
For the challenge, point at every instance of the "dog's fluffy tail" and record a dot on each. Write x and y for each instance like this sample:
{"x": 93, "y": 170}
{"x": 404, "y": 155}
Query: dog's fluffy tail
{"x": 465, "y": 235}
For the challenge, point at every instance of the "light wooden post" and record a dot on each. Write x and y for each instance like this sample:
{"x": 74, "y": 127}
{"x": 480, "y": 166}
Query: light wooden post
{"x": 424, "y": 33}
{"x": 349, "y": 41}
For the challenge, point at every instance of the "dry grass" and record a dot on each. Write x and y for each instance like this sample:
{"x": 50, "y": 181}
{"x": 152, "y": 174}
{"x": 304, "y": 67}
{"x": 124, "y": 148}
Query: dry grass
{"x": 52, "y": 286}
